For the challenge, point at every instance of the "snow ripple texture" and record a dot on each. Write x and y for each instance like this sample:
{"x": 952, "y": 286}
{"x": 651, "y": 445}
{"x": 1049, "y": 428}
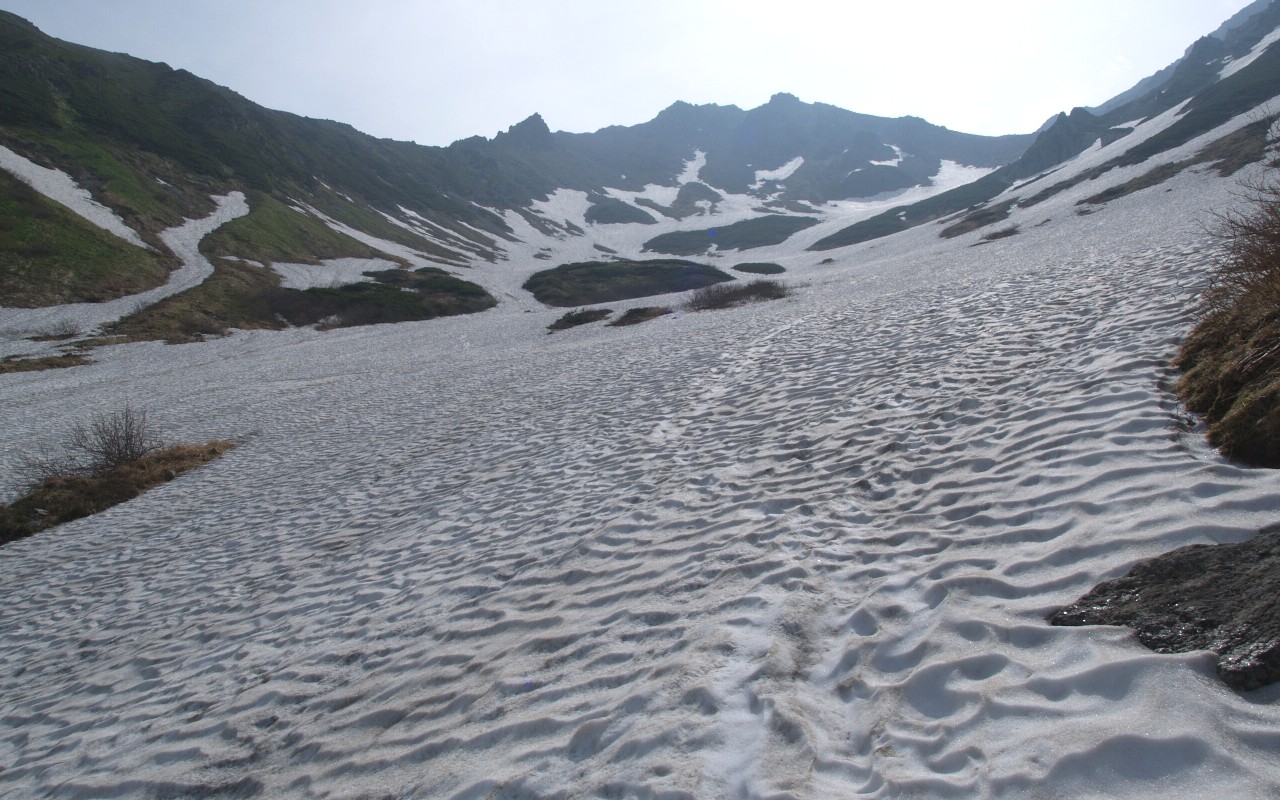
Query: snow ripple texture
{"x": 801, "y": 550}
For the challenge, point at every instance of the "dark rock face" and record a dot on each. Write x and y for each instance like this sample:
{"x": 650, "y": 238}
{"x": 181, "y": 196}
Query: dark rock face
{"x": 1224, "y": 598}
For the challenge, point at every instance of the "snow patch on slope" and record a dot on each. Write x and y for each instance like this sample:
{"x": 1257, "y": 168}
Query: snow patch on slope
{"x": 330, "y": 272}
{"x": 893, "y": 162}
{"x": 60, "y": 188}
{"x": 183, "y": 240}
{"x": 692, "y": 168}
{"x": 780, "y": 174}
{"x": 662, "y": 195}
{"x": 1238, "y": 64}
{"x": 840, "y": 214}
{"x": 564, "y": 205}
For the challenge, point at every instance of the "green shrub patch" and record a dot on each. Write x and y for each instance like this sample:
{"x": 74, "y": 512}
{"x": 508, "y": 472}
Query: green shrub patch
{"x": 588, "y": 282}
{"x": 760, "y": 268}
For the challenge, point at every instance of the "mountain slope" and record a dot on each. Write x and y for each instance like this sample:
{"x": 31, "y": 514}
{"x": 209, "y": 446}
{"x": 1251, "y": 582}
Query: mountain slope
{"x": 801, "y": 549}
{"x": 1218, "y": 79}
{"x": 153, "y": 144}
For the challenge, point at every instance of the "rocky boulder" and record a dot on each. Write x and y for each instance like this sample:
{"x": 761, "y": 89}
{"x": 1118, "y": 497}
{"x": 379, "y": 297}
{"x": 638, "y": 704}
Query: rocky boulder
{"x": 1222, "y": 598}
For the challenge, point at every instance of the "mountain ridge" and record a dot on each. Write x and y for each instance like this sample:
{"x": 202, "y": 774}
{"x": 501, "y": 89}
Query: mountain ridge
{"x": 153, "y": 144}
{"x": 1197, "y": 80}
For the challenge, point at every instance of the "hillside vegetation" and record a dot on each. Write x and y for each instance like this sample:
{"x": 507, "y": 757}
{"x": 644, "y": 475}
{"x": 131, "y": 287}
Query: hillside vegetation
{"x": 241, "y": 295}
{"x": 1232, "y": 358}
{"x": 589, "y": 282}
{"x": 153, "y": 143}
{"x": 745, "y": 235}
{"x": 51, "y": 255}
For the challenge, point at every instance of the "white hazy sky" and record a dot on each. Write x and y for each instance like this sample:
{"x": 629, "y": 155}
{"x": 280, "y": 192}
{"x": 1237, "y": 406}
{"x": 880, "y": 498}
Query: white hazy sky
{"x": 434, "y": 71}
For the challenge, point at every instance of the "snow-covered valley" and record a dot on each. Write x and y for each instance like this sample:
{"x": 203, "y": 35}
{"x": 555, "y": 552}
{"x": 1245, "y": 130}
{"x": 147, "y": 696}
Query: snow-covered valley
{"x": 801, "y": 549}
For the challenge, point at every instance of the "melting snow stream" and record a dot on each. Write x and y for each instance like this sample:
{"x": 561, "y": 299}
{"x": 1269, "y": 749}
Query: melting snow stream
{"x": 799, "y": 550}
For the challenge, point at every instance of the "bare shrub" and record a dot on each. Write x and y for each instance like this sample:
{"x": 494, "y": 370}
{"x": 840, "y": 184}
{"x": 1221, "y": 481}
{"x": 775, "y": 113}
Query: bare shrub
{"x": 1231, "y": 359}
{"x": 46, "y": 462}
{"x": 728, "y": 295}
{"x": 1250, "y": 270}
{"x": 93, "y": 447}
{"x": 62, "y": 329}
{"x": 1002, "y": 233}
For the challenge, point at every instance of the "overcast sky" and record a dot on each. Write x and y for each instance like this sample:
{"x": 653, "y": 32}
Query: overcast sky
{"x": 434, "y": 71}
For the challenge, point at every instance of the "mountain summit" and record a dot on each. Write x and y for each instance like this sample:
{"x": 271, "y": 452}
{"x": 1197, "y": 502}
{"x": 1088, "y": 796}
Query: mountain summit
{"x": 531, "y": 132}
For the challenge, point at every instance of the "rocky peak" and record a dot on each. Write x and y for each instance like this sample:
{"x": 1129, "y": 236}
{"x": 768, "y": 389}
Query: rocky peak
{"x": 531, "y": 132}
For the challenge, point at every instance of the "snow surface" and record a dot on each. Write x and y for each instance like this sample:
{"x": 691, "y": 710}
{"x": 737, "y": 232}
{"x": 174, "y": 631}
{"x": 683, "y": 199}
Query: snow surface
{"x": 59, "y": 187}
{"x": 796, "y": 550}
{"x": 183, "y": 241}
{"x": 893, "y": 162}
{"x": 330, "y": 272}
{"x": 1234, "y": 66}
{"x": 780, "y": 174}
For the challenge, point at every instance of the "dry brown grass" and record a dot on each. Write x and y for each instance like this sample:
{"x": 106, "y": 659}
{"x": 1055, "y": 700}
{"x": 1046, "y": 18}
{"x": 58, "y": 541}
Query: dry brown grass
{"x": 579, "y": 316}
{"x": 1231, "y": 360}
{"x": 63, "y": 498}
{"x": 14, "y": 364}
{"x": 729, "y": 295}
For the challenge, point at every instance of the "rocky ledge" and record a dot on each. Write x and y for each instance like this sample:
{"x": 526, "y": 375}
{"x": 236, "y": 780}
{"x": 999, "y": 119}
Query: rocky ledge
{"x": 1224, "y": 598}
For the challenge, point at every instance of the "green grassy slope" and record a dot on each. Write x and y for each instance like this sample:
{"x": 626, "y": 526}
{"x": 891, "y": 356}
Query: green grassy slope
{"x": 51, "y": 255}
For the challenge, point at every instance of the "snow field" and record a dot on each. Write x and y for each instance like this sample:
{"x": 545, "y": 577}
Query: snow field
{"x": 796, "y": 550}
{"x": 802, "y": 549}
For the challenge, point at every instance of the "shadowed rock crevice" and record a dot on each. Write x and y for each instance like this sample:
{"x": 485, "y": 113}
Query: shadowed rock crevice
{"x": 1202, "y": 597}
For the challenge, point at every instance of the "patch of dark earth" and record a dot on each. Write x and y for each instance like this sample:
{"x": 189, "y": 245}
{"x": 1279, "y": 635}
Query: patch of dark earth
{"x": 1224, "y": 598}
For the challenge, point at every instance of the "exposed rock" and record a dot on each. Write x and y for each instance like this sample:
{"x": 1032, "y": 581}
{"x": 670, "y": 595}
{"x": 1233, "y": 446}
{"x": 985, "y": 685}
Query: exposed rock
{"x": 1221, "y": 598}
